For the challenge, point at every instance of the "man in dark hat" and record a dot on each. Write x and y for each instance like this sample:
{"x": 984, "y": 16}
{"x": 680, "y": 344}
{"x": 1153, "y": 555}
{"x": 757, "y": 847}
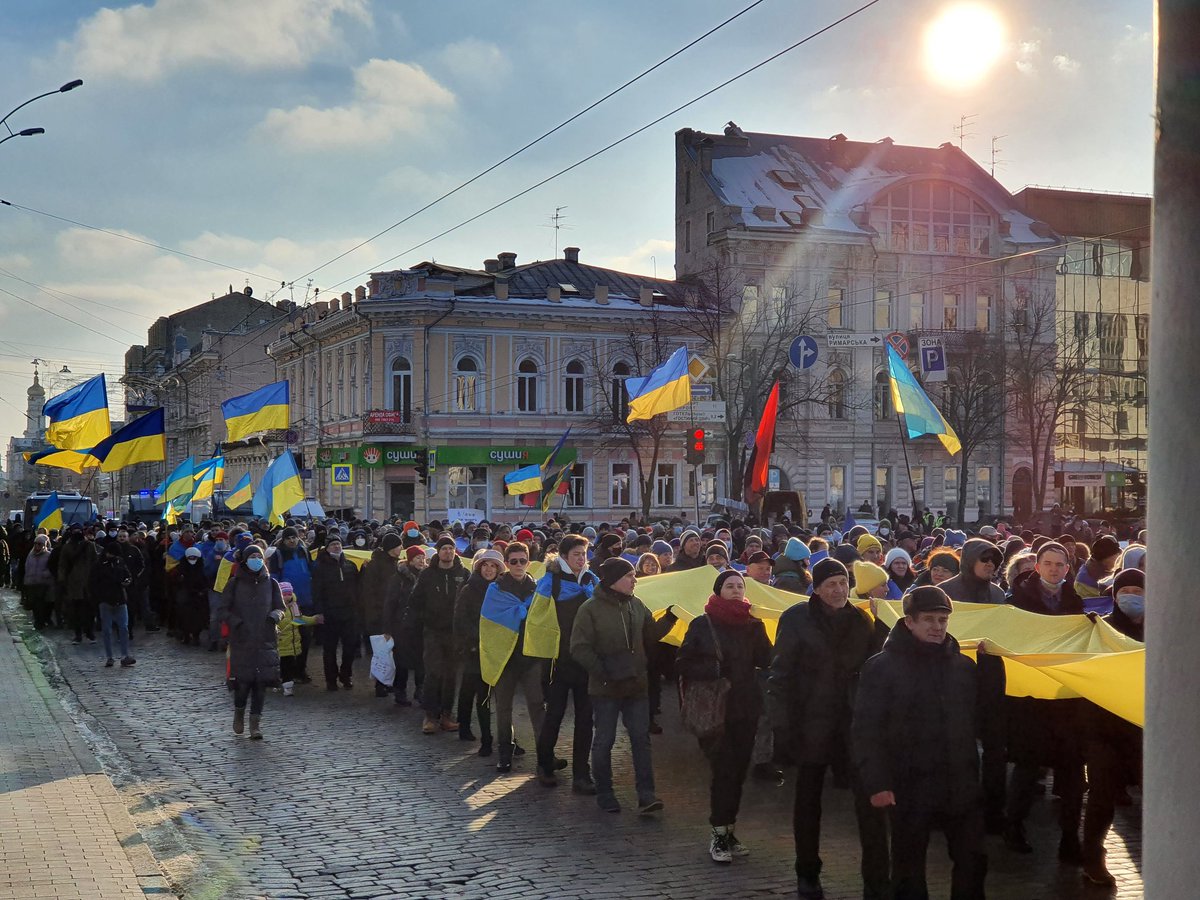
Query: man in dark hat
{"x": 914, "y": 746}
{"x": 820, "y": 648}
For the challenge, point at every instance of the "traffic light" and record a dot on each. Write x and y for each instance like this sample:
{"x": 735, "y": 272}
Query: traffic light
{"x": 695, "y": 451}
{"x": 422, "y": 467}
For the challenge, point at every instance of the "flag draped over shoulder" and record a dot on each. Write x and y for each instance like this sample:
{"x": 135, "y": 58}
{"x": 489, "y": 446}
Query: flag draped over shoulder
{"x": 262, "y": 410}
{"x": 49, "y": 515}
{"x": 920, "y": 415}
{"x": 78, "y": 418}
{"x": 500, "y": 621}
{"x": 142, "y": 440}
{"x": 667, "y": 387}
{"x": 542, "y": 634}
{"x": 758, "y": 466}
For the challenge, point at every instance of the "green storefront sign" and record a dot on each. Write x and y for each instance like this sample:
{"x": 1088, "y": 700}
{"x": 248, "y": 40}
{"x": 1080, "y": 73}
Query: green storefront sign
{"x": 499, "y": 456}
{"x": 376, "y": 456}
{"x": 330, "y": 456}
{"x": 1115, "y": 479}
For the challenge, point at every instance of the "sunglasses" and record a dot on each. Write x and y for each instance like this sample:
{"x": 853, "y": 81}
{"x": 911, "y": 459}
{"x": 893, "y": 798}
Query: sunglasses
{"x": 518, "y": 562}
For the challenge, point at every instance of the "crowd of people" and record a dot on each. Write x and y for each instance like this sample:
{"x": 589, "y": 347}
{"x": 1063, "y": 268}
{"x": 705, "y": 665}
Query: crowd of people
{"x": 452, "y": 620}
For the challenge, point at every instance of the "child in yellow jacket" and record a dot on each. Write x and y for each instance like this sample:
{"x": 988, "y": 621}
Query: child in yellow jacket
{"x": 289, "y": 637}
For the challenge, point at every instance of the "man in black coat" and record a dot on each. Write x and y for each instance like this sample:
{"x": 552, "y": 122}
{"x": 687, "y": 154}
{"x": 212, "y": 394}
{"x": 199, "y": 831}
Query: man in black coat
{"x": 335, "y": 596}
{"x": 914, "y": 746}
{"x": 433, "y": 607}
{"x": 820, "y": 648}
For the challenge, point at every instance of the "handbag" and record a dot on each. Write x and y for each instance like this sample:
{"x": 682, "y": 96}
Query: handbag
{"x": 702, "y": 703}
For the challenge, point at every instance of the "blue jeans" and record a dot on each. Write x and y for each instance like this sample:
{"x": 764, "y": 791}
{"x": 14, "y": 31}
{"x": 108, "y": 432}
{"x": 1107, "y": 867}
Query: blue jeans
{"x": 635, "y": 711}
{"x": 118, "y": 614}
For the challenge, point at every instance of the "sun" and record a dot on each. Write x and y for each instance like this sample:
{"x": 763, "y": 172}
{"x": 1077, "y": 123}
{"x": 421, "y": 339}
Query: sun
{"x": 963, "y": 43}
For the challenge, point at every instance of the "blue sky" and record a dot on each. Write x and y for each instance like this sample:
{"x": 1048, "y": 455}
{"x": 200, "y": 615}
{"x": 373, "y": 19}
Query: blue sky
{"x": 271, "y": 136}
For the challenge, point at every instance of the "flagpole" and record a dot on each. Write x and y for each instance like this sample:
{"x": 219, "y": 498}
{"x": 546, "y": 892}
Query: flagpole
{"x": 912, "y": 488}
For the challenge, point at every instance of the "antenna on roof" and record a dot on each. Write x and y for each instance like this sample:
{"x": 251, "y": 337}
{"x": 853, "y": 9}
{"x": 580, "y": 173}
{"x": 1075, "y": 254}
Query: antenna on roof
{"x": 996, "y": 161}
{"x": 965, "y": 122}
{"x": 556, "y": 221}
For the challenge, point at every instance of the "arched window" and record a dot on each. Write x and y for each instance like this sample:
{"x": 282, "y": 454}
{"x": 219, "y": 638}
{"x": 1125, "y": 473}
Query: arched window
{"x": 836, "y": 401}
{"x": 527, "y": 386}
{"x": 402, "y": 388}
{"x": 573, "y": 387}
{"x": 619, "y": 394}
{"x": 932, "y": 217}
{"x": 883, "y": 396}
{"x": 466, "y": 385}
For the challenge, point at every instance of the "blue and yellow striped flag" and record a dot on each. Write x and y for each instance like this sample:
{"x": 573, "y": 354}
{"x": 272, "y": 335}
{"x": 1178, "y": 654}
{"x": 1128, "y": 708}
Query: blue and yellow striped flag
{"x": 74, "y": 460}
{"x": 279, "y": 490}
{"x": 667, "y": 387}
{"x": 920, "y": 415}
{"x": 261, "y": 410}
{"x": 142, "y": 440}
{"x": 178, "y": 484}
{"x": 78, "y": 418}
{"x": 49, "y": 515}
{"x": 500, "y": 620}
{"x": 241, "y": 493}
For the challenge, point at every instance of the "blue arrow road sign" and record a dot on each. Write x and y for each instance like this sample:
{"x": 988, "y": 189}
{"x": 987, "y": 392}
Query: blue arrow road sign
{"x": 803, "y": 352}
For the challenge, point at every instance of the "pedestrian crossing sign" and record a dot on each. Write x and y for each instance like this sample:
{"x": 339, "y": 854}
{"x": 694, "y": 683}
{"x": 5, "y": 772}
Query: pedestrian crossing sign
{"x": 343, "y": 475}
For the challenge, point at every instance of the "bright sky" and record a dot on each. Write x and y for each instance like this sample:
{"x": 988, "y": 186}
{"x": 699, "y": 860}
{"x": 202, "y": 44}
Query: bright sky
{"x": 272, "y": 136}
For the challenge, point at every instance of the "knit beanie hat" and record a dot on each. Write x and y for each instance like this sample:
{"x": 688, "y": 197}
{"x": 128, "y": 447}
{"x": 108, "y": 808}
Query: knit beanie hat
{"x": 796, "y": 550}
{"x": 868, "y": 542}
{"x": 413, "y": 552}
{"x": 286, "y": 589}
{"x": 1129, "y": 578}
{"x": 827, "y": 568}
{"x": 688, "y": 535}
{"x": 613, "y": 570}
{"x": 894, "y": 554}
{"x": 390, "y": 541}
{"x": 525, "y": 535}
{"x": 723, "y": 577}
{"x": 444, "y": 541}
{"x": 716, "y": 547}
{"x": 955, "y": 538}
{"x": 658, "y": 548}
{"x": 482, "y": 556}
{"x": 1105, "y": 546}
{"x": 867, "y": 577}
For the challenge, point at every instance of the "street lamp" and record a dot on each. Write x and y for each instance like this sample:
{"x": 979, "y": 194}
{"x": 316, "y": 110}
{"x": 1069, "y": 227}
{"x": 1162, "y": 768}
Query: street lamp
{"x": 24, "y": 132}
{"x": 27, "y": 132}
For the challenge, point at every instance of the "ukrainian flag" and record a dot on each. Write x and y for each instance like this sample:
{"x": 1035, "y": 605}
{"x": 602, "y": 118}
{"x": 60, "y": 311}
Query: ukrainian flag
{"x": 260, "y": 410}
{"x": 216, "y": 465}
{"x": 920, "y": 415}
{"x": 240, "y": 494}
{"x": 49, "y": 516}
{"x": 178, "y": 485}
{"x": 171, "y": 516}
{"x": 542, "y": 634}
{"x": 667, "y": 387}
{"x": 142, "y": 440}
{"x": 75, "y": 460}
{"x": 500, "y": 620}
{"x": 224, "y": 571}
{"x": 204, "y": 486}
{"x": 524, "y": 480}
{"x": 549, "y": 492}
{"x": 280, "y": 489}
{"x": 78, "y": 417}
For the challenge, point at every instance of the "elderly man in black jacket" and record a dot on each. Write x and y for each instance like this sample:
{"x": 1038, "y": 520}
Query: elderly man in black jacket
{"x": 820, "y": 648}
{"x": 335, "y": 596}
{"x": 914, "y": 746}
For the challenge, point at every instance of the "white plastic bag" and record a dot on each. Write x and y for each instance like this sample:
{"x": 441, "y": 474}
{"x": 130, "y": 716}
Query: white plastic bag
{"x": 383, "y": 668}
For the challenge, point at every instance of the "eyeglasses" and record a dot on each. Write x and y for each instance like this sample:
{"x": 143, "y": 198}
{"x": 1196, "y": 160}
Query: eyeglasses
{"x": 518, "y": 562}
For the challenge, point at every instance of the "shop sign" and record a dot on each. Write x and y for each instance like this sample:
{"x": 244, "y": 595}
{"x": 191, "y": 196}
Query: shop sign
{"x": 499, "y": 456}
{"x": 330, "y": 456}
{"x": 376, "y": 456}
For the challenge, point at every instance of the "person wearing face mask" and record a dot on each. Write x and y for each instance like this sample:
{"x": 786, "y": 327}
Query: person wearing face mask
{"x": 191, "y": 597}
{"x": 820, "y": 648}
{"x": 727, "y": 642}
{"x": 38, "y": 580}
{"x": 1113, "y": 746}
{"x": 291, "y": 563}
{"x": 335, "y": 596}
{"x": 251, "y": 608}
{"x": 1046, "y": 732}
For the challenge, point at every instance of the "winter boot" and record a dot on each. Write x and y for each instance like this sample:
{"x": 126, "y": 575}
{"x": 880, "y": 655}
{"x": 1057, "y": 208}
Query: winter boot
{"x": 485, "y": 745}
{"x": 430, "y": 725}
{"x": 239, "y": 719}
{"x": 381, "y": 689}
{"x": 506, "y": 754}
{"x": 255, "y": 731}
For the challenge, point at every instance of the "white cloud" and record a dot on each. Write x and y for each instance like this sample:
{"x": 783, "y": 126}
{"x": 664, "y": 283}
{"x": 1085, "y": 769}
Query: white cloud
{"x": 84, "y": 246}
{"x": 1065, "y": 64}
{"x": 390, "y": 98}
{"x": 1027, "y": 56}
{"x": 1134, "y": 45}
{"x": 654, "y": 257}
{"x": 473, "y": 62}
{"x": 144, "y": 42}
{"x": 18, "y": 261}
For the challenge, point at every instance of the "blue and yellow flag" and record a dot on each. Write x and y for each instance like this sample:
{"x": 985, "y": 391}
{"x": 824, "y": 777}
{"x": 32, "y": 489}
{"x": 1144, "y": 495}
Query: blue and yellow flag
{"x": 542, "y": 633}
{"x": 530, "y": 479}
{"x": 224, "y": 570}
{"x": 204, "y": 486}
{"x": 142, "y": 440}
{"x": 179, "y": 484}
{"x": 49, "y": 516}
{"x": 240, "y": 494}
{"x": 279, "y": 490}
{"x": 216, "y": 465}
{"x": 667, "y": 387}
{"x": 78, "y": 418}
{"x": 920, "y": 415}
{"x": 500, "y": 620}
{"x": 261, "y": 410}
{"x": 75, "y": 460}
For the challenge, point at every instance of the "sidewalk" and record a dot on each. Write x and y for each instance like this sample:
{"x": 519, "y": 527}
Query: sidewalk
{"x": 64, "y": 831}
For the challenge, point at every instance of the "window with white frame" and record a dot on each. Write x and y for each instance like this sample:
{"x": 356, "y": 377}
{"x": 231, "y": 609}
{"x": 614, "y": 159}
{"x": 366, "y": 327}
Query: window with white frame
{"x": 918, "y": 487}
{"x": 706, "y": 486}
{"x": 466, "y": 385}
{"x": 837, "y": 299}
{"x": 883, "y": 396}
{"x": 983, "y": 312}
{"x": 950, "y": 486}
{"x": 665, "y": 485}
{"x": 577, "y": 492}
{"x": 467, "y": 487}
{"x": 932, "y": 217}
{"x": 916, "y": 312}
{"x": 573, "y": 387}
{"x": 621, "y": 485}
{"x": 402, "y": 388}
{"x": 950, "y": 311}
{"x": 527, "y": 386}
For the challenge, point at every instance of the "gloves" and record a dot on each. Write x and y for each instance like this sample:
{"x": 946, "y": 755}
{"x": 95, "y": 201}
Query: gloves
{"x": 276, "y": 616}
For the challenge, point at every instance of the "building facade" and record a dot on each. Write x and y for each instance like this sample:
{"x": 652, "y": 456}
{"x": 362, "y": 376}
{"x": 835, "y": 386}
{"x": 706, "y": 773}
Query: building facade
{"x": 860, "y": 241}
{"x": 479, "y": 372}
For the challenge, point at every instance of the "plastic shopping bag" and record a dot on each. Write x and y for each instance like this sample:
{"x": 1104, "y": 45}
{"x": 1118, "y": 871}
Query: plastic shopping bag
{"x": 383, "y": 668}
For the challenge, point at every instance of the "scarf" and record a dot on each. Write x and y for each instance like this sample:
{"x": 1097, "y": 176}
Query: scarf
{"x": 728, "y": 612}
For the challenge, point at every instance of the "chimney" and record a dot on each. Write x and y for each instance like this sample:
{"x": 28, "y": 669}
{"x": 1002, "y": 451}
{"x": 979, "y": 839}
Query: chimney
{"x": 554, "y": 293}
{"x": 334, "y": 304}
{"x": 571, "y": 254}
{"x": 646, "y": 298}
{"x": 601, "y": 294}
{"x": 491, "y": 266}
{"x": 507, "y": 261}
{"x": 501, "y": 289}
{"x": 360, "y": 294}
{"x": 346, "y": 295}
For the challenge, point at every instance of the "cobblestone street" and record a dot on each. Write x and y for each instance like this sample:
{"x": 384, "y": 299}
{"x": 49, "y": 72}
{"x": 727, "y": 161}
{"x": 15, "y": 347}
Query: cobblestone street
{"x": 347, "y": 799}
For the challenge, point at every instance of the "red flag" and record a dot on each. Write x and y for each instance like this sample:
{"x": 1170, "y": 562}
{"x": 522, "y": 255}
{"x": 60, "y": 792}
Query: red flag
{"x": 755, "y": 484}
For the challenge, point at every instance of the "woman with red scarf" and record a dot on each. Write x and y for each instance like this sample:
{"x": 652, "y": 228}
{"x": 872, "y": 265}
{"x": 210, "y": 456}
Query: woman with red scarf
{"x": 727, "y": 642}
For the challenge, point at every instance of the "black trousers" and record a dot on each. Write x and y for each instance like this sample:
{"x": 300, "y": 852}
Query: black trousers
{"x": 83, "y": 615}
{"x": 254, "y": 690}
{"x": 39, "y": 603}
{"x": 473, "y": 692}
{"x": 806, "y": 825}
{"x": 346, "y": 635}
{"x": 441, "y": 674}
{"x": 400, "y": 684}
{"x": 910, "y": 842}
{"x": 289, "y": 668}
{"x": 569, "y": 683}
{"x": 1114, "y": 759}
{"x": 306, "y": 640}
{"x": 1068, "y": 784}
{"x": 993, "y": 734}
{"x": 729, "y": 756}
